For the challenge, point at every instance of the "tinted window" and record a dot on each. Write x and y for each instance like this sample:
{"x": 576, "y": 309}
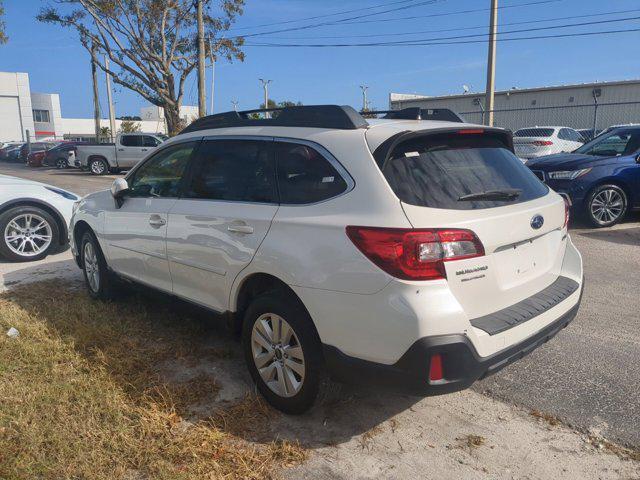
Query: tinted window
{"x": 148, "y": 141}
{"x": 534, "y": 132}
{"x": 131, "y": 140}
{"x": 436, "y": 171}
{"x": 160, "y": 176}
{"x": 305, "y": 176}
{"x": 621, "y": 142}
{"x": 234, "y": 170}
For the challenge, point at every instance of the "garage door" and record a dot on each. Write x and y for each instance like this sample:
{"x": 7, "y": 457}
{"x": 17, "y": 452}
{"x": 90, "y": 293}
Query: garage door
{"x": 10, "y": 125}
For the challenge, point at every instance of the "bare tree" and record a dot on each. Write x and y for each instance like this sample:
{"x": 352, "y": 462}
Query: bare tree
{"x": 151, "y": 43}
{"x": 3, "y": 36}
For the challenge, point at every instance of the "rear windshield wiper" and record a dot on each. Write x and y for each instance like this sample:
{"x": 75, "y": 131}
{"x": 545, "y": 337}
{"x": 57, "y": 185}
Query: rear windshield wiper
{"x": 506, "y": 194}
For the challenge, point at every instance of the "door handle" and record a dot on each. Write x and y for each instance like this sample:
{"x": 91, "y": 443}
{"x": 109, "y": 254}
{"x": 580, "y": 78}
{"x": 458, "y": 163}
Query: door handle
{"x": 157, "y": 221}
{"x": 246, "y": 229}
{"x": 144, "y": 149}
{"x": 121, "y": 149}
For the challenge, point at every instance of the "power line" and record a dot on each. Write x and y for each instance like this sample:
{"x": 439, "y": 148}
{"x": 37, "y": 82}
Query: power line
{"x": 455, "y": 37}
{"x": 507, "y": 24}
{"x": 344, "y": 12}
{"x": 500, "y": 39}
{"x": 357, "y": 17}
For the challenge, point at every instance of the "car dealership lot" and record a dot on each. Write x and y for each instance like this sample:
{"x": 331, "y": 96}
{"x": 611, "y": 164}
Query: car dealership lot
{"x": 588, "y": 375}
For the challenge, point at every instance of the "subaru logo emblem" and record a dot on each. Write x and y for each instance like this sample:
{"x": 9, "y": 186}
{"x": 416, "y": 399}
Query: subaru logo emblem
{"x": 537, "y": 221}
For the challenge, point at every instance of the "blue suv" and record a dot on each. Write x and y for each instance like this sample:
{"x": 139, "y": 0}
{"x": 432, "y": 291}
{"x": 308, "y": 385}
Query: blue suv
{"x": 601, "y": 178}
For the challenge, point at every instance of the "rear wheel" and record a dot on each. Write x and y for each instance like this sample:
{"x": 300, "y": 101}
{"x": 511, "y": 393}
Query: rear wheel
{"x": 606, "y": 205}
{"x": 28, "y": 233}
{"x": 283, "y": 352}
{"x": 97, "y": 166}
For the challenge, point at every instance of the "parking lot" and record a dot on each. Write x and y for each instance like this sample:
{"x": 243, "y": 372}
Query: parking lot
{"x": 588, "y": 376}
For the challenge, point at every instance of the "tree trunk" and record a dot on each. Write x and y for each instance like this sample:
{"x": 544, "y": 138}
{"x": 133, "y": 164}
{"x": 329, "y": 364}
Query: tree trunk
{"x": 172, "y": 119}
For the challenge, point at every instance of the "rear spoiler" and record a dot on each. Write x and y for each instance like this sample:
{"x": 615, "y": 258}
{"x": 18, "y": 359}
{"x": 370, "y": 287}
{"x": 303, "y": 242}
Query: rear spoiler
{"x": 417, "y": 113}
{"x": 383, "y": 152}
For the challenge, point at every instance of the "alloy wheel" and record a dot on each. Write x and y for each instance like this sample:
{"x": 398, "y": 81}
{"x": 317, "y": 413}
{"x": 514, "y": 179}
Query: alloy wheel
{"x": 28, "y": 235}
{"x": 277, "y": 354}
{"x": 607, "y": 206}
{"x": 97, "y": 167}
{"x": 61, "y": 163}
{"x": 91, "y": 267}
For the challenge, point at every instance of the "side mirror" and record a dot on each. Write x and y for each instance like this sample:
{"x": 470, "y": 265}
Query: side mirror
{"x": 119, "y": 189}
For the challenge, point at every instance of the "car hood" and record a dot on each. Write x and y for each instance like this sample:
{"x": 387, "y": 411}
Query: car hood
{"x": 9, "y": 180}
{"x": 566, "y": 161}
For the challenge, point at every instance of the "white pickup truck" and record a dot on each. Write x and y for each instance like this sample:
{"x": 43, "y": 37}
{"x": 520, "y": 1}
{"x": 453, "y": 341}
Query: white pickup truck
{"x": 128, "y": 150}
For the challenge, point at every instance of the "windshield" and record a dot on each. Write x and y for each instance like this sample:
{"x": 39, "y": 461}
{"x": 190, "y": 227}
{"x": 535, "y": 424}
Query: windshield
{"x": 534, "y": 132}
{"x": 617, "y": 142}
{"x": 459, "y": 172}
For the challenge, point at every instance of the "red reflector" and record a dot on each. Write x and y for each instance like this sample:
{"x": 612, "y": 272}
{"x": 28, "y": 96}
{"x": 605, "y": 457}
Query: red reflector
{"x": 435, "y": 368}
{"x": 415, "y": 254}
{"x": 543, "y": 143}
{"x": 476, "y": 131}
{"x": 567, "y": 208}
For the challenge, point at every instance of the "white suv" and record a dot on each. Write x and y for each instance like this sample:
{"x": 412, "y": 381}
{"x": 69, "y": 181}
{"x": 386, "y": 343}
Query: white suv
{"x": 419, "y": 254}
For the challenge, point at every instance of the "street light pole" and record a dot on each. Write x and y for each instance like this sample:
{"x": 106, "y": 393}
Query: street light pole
{"x": 491, "y": 62}
{"x": 202, "y": 106}
{"x": 213, "y": 73}
{"x": 365, "y": 104}
{"x": 235, "y": 105}
{"x": 265, "y": 86}
{"x": 112, "y": 113}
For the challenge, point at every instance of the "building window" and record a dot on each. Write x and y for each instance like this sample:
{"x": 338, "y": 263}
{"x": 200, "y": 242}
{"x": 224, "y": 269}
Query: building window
{"x": 571, "y": 99}
{"x": 41, "y": 116}
{"x": 533, "y": 102}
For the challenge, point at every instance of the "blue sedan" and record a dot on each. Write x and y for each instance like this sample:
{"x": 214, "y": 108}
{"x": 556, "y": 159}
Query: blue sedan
{"x": 601, "y": 178}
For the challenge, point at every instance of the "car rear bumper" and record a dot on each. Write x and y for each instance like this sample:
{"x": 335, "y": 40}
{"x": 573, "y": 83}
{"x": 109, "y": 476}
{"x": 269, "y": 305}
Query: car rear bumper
{"x": 461, "y": 363}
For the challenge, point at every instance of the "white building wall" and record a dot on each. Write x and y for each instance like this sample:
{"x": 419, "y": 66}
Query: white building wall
{"x": 51, "y": 103}
{"x": 16, "y": 118}
{"x": 84, "y": 127}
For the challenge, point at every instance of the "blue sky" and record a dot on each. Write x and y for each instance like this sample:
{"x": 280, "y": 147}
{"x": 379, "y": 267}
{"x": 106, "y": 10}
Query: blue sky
{"x": 57, "y": 64}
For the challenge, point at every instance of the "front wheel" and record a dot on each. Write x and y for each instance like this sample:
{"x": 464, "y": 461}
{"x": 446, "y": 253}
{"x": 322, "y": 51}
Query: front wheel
{"x": 98, "y": 166}
{"x": 98, "y": 279}
{"x": 28, "y": 234}
{"x": 61, "y": 163}
{"x": 606, "y": 205}
{"x": 283, "y": 352}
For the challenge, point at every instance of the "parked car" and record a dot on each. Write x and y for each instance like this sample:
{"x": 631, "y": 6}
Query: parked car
{"x": 588, "y": 134}
{"x": 59, "y": 156}
{"x": 27, "y": 148}
{"x": 421, "y": 255}
{"x": 602, "y": 178}
{"x": 11, "y": 153}
{"x": 35, "y": 158}
{"x": 540, "y": 141}
{"x": 34, "y": 218}
{"x": 127, "y": 151}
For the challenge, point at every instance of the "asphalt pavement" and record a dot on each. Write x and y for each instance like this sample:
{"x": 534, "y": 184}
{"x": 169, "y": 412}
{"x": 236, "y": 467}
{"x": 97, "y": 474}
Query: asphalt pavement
{"x": 589, "y": 374}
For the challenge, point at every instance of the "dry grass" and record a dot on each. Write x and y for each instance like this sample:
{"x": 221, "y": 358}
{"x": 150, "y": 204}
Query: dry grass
{"x": 81, "y": 397}
{"x": 622, "y": 452}
{"x": 547, "y": 417}
{"x": 471, "y": 441}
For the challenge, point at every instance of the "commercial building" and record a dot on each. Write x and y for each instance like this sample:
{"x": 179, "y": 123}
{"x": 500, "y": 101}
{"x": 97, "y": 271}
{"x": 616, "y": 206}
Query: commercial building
{"x": 586, "y": 105}
{"x": 25, "y": 113}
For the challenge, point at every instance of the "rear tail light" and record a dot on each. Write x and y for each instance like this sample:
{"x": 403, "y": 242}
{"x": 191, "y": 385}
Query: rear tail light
{"x": 543, "y": 143}
{"x": 415, "y": 254}
{"x": 471, "y": 131}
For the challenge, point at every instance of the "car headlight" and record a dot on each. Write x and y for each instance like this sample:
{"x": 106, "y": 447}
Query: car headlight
{"x": 75, "y": 207}
{"x": 568, "y": 174}
{"x": 62, "y": 193}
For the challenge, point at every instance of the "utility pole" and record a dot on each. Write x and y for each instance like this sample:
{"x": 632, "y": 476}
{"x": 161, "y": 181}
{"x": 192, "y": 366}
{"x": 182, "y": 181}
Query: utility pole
{"x": 491, "y": 62}
{"x": 112, "y": 113}
{"x": 213, "y": 74}
{"x": 265, "y": 86}
{"x": 365, "y": 104}
{"x": 96, "y": 98}
{"x": 235, "y": 105}
{"x": 202, "y": 105}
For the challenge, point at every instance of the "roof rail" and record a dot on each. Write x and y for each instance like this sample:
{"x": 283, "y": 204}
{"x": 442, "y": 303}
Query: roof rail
{"x": 315, "y": 116}
{"x": 417, "y": 113}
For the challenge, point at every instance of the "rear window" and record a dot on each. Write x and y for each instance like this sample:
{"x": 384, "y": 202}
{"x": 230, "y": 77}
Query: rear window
{"x": 534, "y": 132}
{"x": 436, "y": 171}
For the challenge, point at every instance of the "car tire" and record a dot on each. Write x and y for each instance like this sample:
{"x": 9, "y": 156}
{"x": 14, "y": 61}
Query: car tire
{"x": 27, "y": 233}
{"x": 606, "y": 205}
{"x": 287, "y": 370}
{"x": 97, "y": 166}
{"x": 100, "y": 282}
{"x": 61, "y": 163}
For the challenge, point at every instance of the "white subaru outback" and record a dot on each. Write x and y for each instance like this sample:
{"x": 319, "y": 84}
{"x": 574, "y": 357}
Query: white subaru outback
{"x": 413, "y": 251}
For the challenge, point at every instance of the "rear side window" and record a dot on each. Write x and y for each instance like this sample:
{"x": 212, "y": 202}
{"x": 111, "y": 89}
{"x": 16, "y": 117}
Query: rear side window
{"x": 437, "y": 171}
{"x": 131, "y": 140}
{"x": 534, "y": 132}
{"x": 148, "y": 141}
{"x": 306, "y": 176}
{"x": 234, "y": 170}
